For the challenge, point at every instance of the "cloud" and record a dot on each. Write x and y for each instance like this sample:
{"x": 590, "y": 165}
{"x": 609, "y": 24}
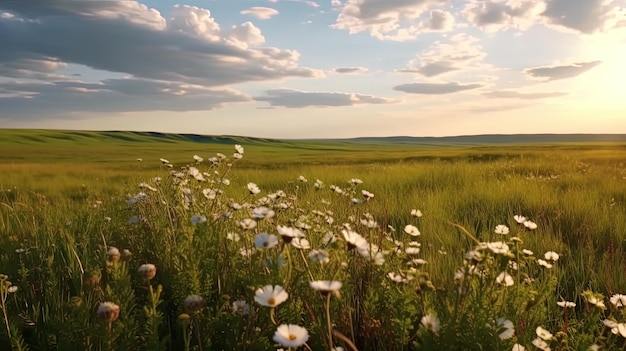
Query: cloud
{"x": 435, "y": 88}
{"x": 584, "y": 16}
{"x": 495, "y": 15}
{"x": 297, "y": 99}
{"x": 397, "y": 20}
{"x": 38, "y": 69}
{"x": 461, "y": 51}
{"x": 306, "y": 2}
{"x": 508, "y": 94}
{"x": 260, "y": 12}
{"x": 549, "y": 73}
{"x": 350, "y": 70}
{"x": 126, "y": 37}
{"x": 39, "y": 100}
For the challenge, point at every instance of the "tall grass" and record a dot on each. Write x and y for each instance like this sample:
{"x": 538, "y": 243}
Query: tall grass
{"x": 60, "y": 222}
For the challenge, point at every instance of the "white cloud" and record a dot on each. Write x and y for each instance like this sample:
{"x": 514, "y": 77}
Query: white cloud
{"x": 461, "y": 51}
{"x": 555, "y": 72}
{"x": 393, "y": 19}
{"x": 245, "y": 35}
{"x": 260, "y": 12}
{"x": 436, "y": 88}
{"x": 511, "y": 94}
{"x": 298, "y": 99}
{"x": 495, "y": 15}
{"x": 585, "y": 16}
{"x": 39, "y": 100}
{"x": 350, "y": 70}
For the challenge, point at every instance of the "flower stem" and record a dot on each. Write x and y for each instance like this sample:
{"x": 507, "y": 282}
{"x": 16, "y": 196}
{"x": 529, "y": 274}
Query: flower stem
{"x": 328, "y": 323}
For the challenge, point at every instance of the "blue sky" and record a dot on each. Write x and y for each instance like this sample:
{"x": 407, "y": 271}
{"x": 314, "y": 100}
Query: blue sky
{"x": 315, "y": 69}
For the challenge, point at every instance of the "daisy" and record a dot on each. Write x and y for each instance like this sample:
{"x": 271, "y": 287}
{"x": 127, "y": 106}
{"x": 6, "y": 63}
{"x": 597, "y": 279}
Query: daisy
{"x": 197, "y": 219}
{"x": 530, "y": 225}
{"x": 248, "y": 224}
{"x": 241, "y": 307}
{"x": 518, "y": 347}
{"x": 431, "y": 323}
{"x": 353, "y": 239}
{"x": 288, "y": 233}
{"x": 238, "y": 148}
{"x": 321, "y": 256}
{"x": 543, "y": 333}
{"x": 412, "y": 230}
{"x": 301, "y": 243}
{"x": 618, "y": 300}
{"x": 551, "y": 256}
{"x": 506, "y": 328}
{"x": 544, "y": 263}
{"x": 253, "y": 188}
{"x": 416, "y": 213}
{"x": 270, "y": 296}
{"x": 498, "y": 247}
{"x": 265, "y": 241}
{"x": 291, "y": 335}
{"x": 326, "y": 286}
{"x": 504, "y": 279}
{"x": 356, "y": 181}
{"x": 566, "y": 304}
{"x": 540, "y": 344}
{"x": 501, "y": 229}
{"x": 519, "y": 219}
{"x": 262, "y": 212}
{"x": 198, "y": 158}
{"x": 367, "y": 195}
{"x": 302, "y": 179}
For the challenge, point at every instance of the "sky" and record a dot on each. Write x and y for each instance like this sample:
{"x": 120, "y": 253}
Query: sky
{"x": 315, "y": 69}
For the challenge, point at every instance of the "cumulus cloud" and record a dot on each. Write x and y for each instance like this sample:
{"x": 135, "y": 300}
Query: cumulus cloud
{"x": 436, "y": 88}
{"x": 260, "y": 12}
{"x": 393, "y": 19}
{"x": 584, "y": 16}
{"x": 461, "y": 51}
{"x": 549, "y": 73}
{"x": 306, "y": 2}
{"x": 126, "y": 37}
{"x": 510, "y": 94}
{"x": 297, "y": 99}
{"x": 350, "y": 70}
{"x": 495, "y": 15}
{"x": 35, "y": 100}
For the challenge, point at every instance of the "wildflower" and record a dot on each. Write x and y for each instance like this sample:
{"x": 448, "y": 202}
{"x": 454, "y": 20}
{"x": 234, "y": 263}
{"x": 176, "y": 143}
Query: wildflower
{"x": 291, "y": 335}
{"x": 139, "y": 159}
{"x": 108, "y": 311}
{"x": 301, "y": 243}
{"x": 233, "y": 236}
{"x": 318, "y": 184}
{"x": 288, "y": 233}
{"x": 399, "y": 278}
{"x": 356, "y": 201}
{"x": 12, "y": 289}
{"x": 530, "y": 225}
{"x": 194, "y": 172}
{"x": 164, "y": 161}
{"x": 246, "y": 252}
{"x": 544, "y": 263}
{"x": 147, "y": 271}
{"x": 418, "y": 261}
{"x": 374, "y": 256}
{"x": 113, "y": 254}
{"x": 367, "y": 195}
{"x": 370, "y": 223}
{"x": 210, "y": 194}
{"x": 594, "y": 347}
{"x": 498, "y": 247}
{"x": 596, "y": 301}
{"x": 326, "y": 286}
{"x": 197, "y": 219}
{"x": 518, "y": 347}
{"x": 474, "y": 255}
{"x": 621, "y": 329}
{"x": 540, "y": 344}
{"x": 356, "y": 181}
{"x": 270, "y": 296}
{"x": 238, "y": 148}
{"x": 520, "y": 219}
{"x": 551, "y": 256}
{"x": 262, "y": 212}
{"x": 248, "y": 224}
{"x": 253, "y": 188}
{"x": 302, "y": 179}
{"x": 412, "y": 250}
{"x": 543, "y": 334}
{"x": 501, "y": 229}
{"x": 431, "y": 323}
{"x": 506, "y": 328}
{"x": 566, "y": 304}
{"x": 193, "y": 303}
{"x": 321, "y": 256}
{"x": 411, "y": 230}
{"x": 527, "y": 252}
{"x": 353, "y": 239}
{"x": 265, "y": 240}
{"x": 504, "y": 279}
{"x": 618, "y": 300}
{"x": 241, "y": 307}
{"x": 416, "y": 213}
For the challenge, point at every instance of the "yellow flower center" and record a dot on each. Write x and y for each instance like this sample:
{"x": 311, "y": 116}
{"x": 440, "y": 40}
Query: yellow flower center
{"x": 271, "y": 301}
{"x": 292, "y": 337}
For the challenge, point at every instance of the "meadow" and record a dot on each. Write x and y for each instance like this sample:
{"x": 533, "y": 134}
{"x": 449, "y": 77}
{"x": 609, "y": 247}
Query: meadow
{"x": 147, "y": 241}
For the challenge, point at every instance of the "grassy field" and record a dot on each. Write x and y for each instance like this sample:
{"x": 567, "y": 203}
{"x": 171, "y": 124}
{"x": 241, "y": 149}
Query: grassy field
{"x": 67, "y": 198}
